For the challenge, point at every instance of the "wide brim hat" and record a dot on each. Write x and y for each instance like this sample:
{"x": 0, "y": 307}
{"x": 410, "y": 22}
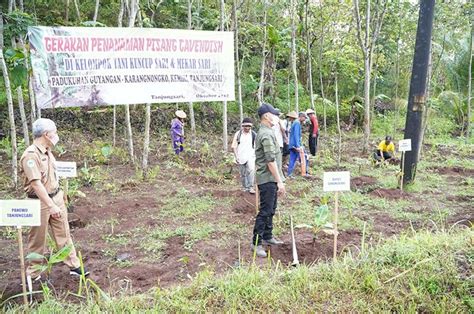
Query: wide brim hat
{"x": 292, "y": 114}
{"x": 180, "y": 114}
{"x": 308, "y": 111}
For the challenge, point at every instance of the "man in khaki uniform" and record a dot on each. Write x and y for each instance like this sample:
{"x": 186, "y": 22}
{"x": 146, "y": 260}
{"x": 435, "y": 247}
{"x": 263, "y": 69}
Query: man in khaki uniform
{"x": 40, "y": 181}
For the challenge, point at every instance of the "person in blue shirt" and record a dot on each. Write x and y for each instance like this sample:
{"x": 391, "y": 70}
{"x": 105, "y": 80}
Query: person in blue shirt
{"x": 295, "y": 143}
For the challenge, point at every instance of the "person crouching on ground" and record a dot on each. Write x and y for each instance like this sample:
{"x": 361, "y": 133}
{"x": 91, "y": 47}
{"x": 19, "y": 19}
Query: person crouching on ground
{"x": 269, "y": 180}
{"x": 385, "y": 150}
{"x": 40, "y": 181}
{"x": 243, "y": 146}
{"x": 177, "y": 131}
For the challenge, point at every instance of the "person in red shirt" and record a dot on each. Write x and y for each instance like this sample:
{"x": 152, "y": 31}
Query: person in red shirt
{"x": 313, "y": 131}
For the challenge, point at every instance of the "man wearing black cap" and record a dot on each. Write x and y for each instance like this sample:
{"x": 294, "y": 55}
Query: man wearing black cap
{"x": 269, "y": 179}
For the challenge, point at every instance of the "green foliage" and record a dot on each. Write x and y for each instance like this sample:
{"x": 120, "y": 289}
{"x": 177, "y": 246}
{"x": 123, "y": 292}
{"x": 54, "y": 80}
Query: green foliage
{"x": 420, "y": 272}
{"x": 53, "y": 259}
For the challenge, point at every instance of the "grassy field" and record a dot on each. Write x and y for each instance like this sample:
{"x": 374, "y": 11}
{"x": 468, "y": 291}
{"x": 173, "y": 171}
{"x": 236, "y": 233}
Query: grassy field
{"x": 179, "y": 240}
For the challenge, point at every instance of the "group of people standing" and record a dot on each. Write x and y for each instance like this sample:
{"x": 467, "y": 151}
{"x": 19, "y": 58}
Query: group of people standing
{"x": 260, "y": 156}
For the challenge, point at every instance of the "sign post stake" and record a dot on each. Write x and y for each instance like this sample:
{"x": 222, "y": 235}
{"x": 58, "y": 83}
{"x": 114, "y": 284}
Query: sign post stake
{"x": 403, "y": 146}
{"x": 403, "y": 167}
{"x": 22, "y": 265}
{"x": 20, "y": 213}
{"x": 336, "y": 182}
{"x": 336, "y": 216}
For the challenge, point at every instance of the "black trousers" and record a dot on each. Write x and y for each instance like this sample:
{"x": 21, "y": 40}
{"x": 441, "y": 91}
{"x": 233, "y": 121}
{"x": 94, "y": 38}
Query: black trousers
{"x": 386, "y": 155}
{"x": 313, "y": 144}
{"x": 264, "y": 220}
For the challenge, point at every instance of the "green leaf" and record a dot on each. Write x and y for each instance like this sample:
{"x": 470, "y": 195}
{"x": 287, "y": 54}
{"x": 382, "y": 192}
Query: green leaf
{"x": 19, "y": 75}
{"x": 106, "y": 151}
{"x": 61, "y": 255}
{"x": 322, "y": 216}
{"x": 35, "y": 256}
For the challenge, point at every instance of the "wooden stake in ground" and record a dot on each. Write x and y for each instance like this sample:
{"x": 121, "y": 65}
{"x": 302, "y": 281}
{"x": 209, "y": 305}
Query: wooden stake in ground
{"x": 22, "y": 265}
{"x": 336, "y": 182}
{"x": 336, "y": 217}
{"x": 293, "y": 244}
{"x": 403, "y": 146}
{"x": 303, "y": 163}
{"x": 403, "y": 167}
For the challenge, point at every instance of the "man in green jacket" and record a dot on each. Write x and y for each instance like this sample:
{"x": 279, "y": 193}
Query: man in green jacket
{"x": 269, "y": 179}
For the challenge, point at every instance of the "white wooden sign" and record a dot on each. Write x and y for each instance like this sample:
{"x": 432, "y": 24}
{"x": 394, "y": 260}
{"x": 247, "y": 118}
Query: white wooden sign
{"x": 20, "y": 213}
{"x": 66, "y": 169}
{"x": 337, "y": 181}
{"x": 404, "y": 145}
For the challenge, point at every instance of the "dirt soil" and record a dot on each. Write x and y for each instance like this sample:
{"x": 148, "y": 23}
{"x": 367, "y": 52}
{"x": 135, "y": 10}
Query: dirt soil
{"x": 131, "y": 214}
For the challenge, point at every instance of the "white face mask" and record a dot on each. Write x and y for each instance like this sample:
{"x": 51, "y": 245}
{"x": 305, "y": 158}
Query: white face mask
{"x": 54, "y": 139}
{"x": 276, "y": 120}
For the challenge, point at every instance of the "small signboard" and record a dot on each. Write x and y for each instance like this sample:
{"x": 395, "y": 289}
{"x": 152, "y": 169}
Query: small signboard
{"x": 337, "y": 181}
{"x": 66, "y": 169}
{"x": 404, "y": 145}
{"x": 20, "y": 213}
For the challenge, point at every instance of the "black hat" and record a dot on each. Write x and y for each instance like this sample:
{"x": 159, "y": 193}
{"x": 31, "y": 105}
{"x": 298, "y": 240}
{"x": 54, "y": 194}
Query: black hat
{"x": 247, "y": 121}
{"x": 264, "y": 108}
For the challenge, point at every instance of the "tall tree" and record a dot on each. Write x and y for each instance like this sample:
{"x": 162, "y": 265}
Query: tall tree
{"x": 224, "y": 109}
{"x": 293, "y": 51}
{"x": 373, "y": 25}
{"x": 417, "y": 95}
{"x": 237, "y": 60}
{"x": 190, "y": 104}
{"x": 131, "y": 23}
{"x": 264, "y": 55}
{"x": 309, "y": 57}
{"x": 11, "y": 115}
{"x": 320, "y": 67}
{"x": 469, "y": 75}
{"x": 96, "y": 10}
{"x": 78, "y": 12}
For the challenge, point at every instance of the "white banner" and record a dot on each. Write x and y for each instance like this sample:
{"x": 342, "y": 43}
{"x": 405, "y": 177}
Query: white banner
{"x": 82, "y": 66}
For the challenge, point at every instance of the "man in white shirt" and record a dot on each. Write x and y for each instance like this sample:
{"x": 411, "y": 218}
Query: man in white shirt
{"x": 243, "y": 146}
{"x": 280, "y": 134}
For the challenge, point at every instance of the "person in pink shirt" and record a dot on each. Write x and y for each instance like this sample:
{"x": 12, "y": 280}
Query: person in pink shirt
{"x": 313, "y": 131}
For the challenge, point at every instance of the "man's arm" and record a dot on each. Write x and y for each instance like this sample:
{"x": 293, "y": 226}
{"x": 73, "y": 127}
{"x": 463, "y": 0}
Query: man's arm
{"x": 42, "y": 194}
{"x": 273, "y": 167}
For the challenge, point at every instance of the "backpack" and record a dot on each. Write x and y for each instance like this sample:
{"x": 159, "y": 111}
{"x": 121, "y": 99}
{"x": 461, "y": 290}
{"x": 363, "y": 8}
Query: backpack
{"x": 254, "y": 135}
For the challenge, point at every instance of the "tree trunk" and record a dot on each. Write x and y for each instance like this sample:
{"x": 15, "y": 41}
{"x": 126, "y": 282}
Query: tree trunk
{"x": 264, "y": 55}
{"x": 190, "y": 104}
{"x": 20, "y": 5}
{"x": 308, "y": 49}
{"x": 469, "y": 84}
{"x": 367, "y": 70}
{"x": 96, "y": 11}
{"x": 339, "y": 143}
{"x": 120, "y": 14}
{"x": 321, "y": 76}
{"x": 416, "y": 100}
{"x": 146, "y": 141}
{"x": 131, "y": 23}
{"x": 237, "y": 60}
{"x": 78, "y": 13}
{"x": 224, "y": 109}
{"x": 11, "y": 115}
{"x": 66, "y": 18}
{"x": 397, "y": 69}
{"x": 293, "y": 52}
{"x": 31, "y": 94}
{"x": 24, "y": 123}
{"x": 11, "y": 4}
